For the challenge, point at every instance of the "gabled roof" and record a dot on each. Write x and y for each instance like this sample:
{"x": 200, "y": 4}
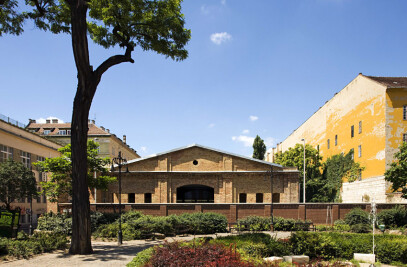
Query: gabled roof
{"x": 390, "y": 82}
{"x": 204, "y": 147}
{"x": 92, "y": 128}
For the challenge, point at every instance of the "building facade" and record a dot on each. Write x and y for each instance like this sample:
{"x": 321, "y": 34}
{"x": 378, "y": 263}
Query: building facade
{"x": 20, "y": 145}
{"x": 367, "y": 117}
{"x": 198, "y": 174}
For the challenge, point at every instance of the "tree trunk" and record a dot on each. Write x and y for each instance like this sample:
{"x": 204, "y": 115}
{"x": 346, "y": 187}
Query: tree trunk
{"x": 81, "y": 230}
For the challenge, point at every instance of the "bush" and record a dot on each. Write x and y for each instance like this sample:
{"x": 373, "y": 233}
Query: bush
{"x": 360, "y": 228}
{"x": 27, "y": 246}
{"x": 257, "y": 223}
{"x": 395, "y": 217}
{"x": 204, "y": 223}
{"x": 207, "y": 255}
{"x": 357, "y": 216}
{"x": 111, "y": 231}
{"x": 141, "y": 258}
{"x": 55, "y": 222}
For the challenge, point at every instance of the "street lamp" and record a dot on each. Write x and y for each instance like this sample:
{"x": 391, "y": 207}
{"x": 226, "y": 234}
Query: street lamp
{"x": 119, "y": 161}
{"x": 303, "y": 200}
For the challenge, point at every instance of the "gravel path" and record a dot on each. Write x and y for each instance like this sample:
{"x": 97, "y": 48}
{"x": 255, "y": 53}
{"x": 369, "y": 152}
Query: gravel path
{"x": 106, "y": 254}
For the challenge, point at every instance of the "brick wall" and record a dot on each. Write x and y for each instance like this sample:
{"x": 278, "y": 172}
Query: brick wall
{"x": 318, "y": 213}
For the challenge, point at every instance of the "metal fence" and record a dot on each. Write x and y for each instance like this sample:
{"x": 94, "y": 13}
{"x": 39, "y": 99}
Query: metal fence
{"x": 10, "y": 120}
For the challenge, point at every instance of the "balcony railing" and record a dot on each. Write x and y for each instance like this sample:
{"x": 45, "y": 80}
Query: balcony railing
{"x": 10, "y": 120}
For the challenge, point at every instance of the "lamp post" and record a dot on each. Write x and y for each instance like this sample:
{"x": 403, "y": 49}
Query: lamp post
{"x": 303, "y": 200}
{"x": 119, "y": 161}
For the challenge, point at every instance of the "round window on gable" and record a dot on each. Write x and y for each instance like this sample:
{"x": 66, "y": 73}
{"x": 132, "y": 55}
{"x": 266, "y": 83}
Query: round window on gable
{"x": 195, "y": 162}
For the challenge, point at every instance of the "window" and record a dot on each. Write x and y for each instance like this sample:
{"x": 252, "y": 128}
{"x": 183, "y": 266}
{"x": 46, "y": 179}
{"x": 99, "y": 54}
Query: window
{"x": 39, "y": 195}
{"x": 47, "y": 132}
{"x": 147, "y": 198}
{"x": 131, "y": 198}
{"x": 352, "y": 131}
{"x": 360, "y": 150}
{"x": 62, "y": 132}
{"x": 44, "y": 198}
{"x": 68, "y": 132}
{"x": 26, "y": 159}
{"x": 242, "y": 198}
{"x": 329, "y": 145}
{"x": 405, "y": 137}
{"x": 360, "y": 175}
{"x": 259, "y": 197}
{"x": 5, "y": 153}
{"x": 336, "y": 140}
{"x": 352, "y": 152}
{"x": 276, "y": 198}
{"x": 405, "y": 112}
{"x": 360, "y": 127}
{"x": 42, "y": 176}
{"x": 22, "y": 218}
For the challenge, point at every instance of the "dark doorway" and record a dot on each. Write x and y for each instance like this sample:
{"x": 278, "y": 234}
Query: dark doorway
{"x": 259, "y": 197}
{"x": 195, "y": 194}
{"x": 242, "y": 198}
{"x": 147, "y": 198}
{"x": 131, "y": 198}
{"x": 276, "y": 197}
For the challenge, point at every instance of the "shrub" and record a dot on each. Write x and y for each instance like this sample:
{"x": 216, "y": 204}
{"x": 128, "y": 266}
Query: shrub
{"x": 111, "y": 231}
{"x": 357, "y": 216}
{"x": 395, "y": 217}
{"x": 207, "y": 255}
{"x": 55, "y": 222}
{"x": 28, "y": 246}
{"x": 257, "y": 223}
{"x": 141, "y": 258}
{"x": 360, "y": 228}
{"x": 204, "y": 223}
{"x": 130, "y": 216}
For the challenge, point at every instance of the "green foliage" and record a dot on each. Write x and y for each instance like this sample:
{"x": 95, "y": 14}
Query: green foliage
{"x": 11, "y": 21}
{"x": 259, "y": 148}
{"x": 60, "y": 183}
{"x": 357, "y": 216}
{"x": 16, "y": 182}
{"x": 55, "y": 222}
{"x": 26, "y": 246}
{"x": 204, "y": 223}
{"x": 259, "y": 223}
{"x": 392, "y": 218}
{"x": 397, "y": 173}
{"x": 389, "y": 248}
{"x": 141, "y": 258}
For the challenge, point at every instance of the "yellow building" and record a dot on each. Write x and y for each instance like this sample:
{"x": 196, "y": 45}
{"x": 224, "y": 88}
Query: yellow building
{"x": 20, "y": 145}
{"x": 368, "y": 116}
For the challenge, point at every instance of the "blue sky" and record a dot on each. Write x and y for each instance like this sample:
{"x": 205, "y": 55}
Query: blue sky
{"x": 254, "y": 67}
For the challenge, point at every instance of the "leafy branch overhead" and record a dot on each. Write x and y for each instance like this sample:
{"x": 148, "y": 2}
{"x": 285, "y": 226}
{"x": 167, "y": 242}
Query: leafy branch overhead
{"x": 60, "y": 183}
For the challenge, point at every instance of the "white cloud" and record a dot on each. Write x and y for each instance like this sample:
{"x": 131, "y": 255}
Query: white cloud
{"x": 205, "y": 10}
{"x": 42, "y": 120}
{"x": 220, "y": 37}
{"x": 223, "y": 2}
{"x": 253, "y": 118}
{"x": 245, "y": 131}
{"x": 143, "y": 149}
{"x": 270, "y": 141}
{"x": 246, "y": 140}
{"x": 211, "y": 125}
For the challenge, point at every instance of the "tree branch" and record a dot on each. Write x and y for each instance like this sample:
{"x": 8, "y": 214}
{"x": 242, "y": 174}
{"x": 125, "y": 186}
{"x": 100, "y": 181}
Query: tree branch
{"x": 114, "y": 60}
{"x": 39, "y": 8}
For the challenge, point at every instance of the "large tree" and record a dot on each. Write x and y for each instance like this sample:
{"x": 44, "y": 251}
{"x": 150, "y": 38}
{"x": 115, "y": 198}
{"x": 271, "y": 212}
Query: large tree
{"x": 156, "y": 25}
{"x": 397, "y": 173}
{"x": 60, "y": 183}
{"x": 16, "y": 182}
{"x": 259, "y": 148}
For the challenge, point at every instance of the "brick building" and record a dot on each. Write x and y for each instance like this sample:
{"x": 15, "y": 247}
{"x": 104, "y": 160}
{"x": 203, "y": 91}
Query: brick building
{"x": 198, "y": 174}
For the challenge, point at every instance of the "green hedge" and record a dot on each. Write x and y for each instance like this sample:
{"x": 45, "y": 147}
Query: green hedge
{"x": 389, "y": 248}
{"x": 259, "y": 223}
{"x": 392, "y": 218}
{"x": 134, "y": 225}
{"x": 26, "y": 246}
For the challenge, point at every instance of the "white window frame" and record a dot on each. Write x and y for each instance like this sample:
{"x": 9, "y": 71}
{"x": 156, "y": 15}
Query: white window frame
{"x": 47, "y": 132}
{"x": 26, "y": 159}
{"x": 360, "y": 151}
{"x": 6, "y": 153}
{"x": 61, "y": 132}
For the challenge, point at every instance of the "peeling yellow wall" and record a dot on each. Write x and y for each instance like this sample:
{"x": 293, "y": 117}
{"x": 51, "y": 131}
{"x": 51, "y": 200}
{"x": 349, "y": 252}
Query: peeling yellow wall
{"x": 396, "y": 98}
{"x": 361, "y": 100}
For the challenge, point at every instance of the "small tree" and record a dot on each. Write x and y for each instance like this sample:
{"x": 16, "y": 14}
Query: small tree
{"x": 397, "y": 173}
{"x": 16, "y": 182}
{"x": 60, "y": 168}
{"x": 259, "y": 148}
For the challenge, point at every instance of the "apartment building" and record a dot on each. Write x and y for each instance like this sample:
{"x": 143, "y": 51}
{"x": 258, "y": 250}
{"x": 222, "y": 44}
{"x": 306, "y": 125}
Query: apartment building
{"x": 367, "y": 117}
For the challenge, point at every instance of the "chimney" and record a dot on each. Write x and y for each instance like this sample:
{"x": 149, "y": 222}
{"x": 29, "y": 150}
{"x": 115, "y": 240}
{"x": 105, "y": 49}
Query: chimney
{"x": 103, "y": 128}
{"x": 32, "y": 121}
{"x": 93, "y": 121}
{"x": 48, "y": 121}
{"x": 124, "y": 138}
{"x": 107, "y": 130}
{"x": 54, "y": 120}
